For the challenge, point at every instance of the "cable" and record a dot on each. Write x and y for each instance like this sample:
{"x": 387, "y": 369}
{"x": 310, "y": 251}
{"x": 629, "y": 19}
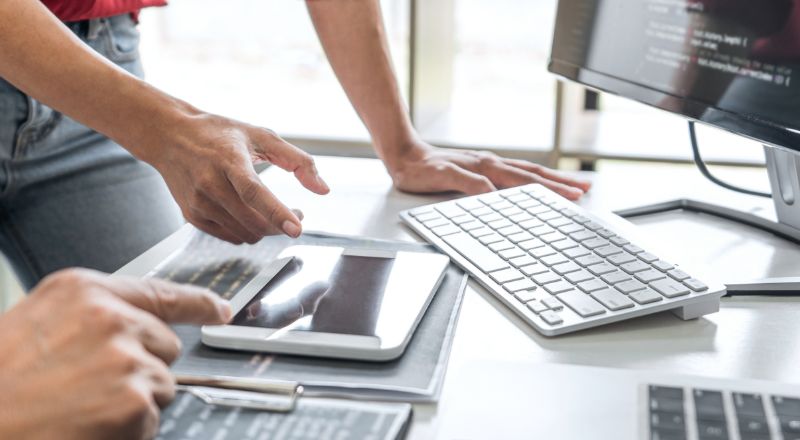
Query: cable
{"x": 704, "y": 169}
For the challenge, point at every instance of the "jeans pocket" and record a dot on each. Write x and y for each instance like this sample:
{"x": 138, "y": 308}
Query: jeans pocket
{"x": 122, "y": 39}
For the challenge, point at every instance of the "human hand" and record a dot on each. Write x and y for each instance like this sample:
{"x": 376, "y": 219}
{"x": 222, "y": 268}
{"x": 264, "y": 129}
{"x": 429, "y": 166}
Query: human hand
{"x": 426, "y": 169}
{"x": 209, "y": 171}
{"x": 85, "y": 355}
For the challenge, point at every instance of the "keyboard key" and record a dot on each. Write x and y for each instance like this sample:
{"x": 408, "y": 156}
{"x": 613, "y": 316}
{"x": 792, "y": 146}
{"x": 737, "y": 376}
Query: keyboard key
{"x": 506, "y": 275}
{"x": 435, "y": 223}
{"x": 522, "y": 261}
{"x": 490, "y": 198}
{"x": 581, "y": 219}
{"x": 662, "y": 265}
{"x": 525, "y": 296}
{"x": 565, "y": 268}
{"x": 536, "y": 307}
{"x": 428, "y": 216}
{"x": 748, "y": 405}
{"x": 595, "y": 243}
{"x": 581, "y": 304}
{"x": 558, "y": 287}
{"x": 669, "y": 288}
{"x": 530, "y": 203}
{"x": 592, "y": 285}
{"x": 531, "y": 244}
{"x": 489, "y": 239}
{"x": 473, "y": 225}
{"x": 501, "y": 246}
{"x": 645, "y": 296}
{"x": 484, "y": 259}
{"x": 534, "y": 269}
{"x": 481, "y": 232}
{"x": 530, "y": 224}
{"x": 553, "y": 303}
{"x": 441, "y": 231}
{"x": 539, "y": 209}
{"x": 550, "y": 215}
{"x": 508, "y": 212}
{"x": 583, "y": 235}
{"x": 666, "y": 399}
{"x": 552, "y": 260}
{"x": 620, "y": 259}
{"x": 632, "y": 248}
{"x": 545, "y": 277}
{"x": 635, "y": 266}
{"x": 421, "y": 211}
{"x": 461, "y": 219}
{"x": 480, "y": 212}
{"x": 541, "y": 252}
{"x": 615, "y": 277}
{"x": 612, "y": 299}
{"x": 619, "y": 241}
{"x": 551, "y": 317}
{"x": 520, "y": 237}
{"x": 559, "y": 221}
{"x": 541, "y": 230}
{"x": 470, "y": 204}
{"x": 678, "y": 274}
{"x": 577, "y": 252}
{"x": 708, "y": 405}
{"x": 552, "y": 237}
{"x": 627, "y": 287}
{"x": 670, "y": 421}
{"x": 516, "y": 286}
{"x": 520, "y": 217}
{"x": 605, "y": 233}
{"x": 450, "y": 210}
{"x": 580, "y": 276}
{"x": 647, "y": 257}
{"x": 662, "y": 392}
{"x": 491, "y": 217}
{"x": 511, "y": 253}
{"x": 499, "y": 224}
{"x": 602, "y": 268}
{"x": 564, "y": 244}
{"x": 569, "y": 212}
{"x": 695, "y": 285}
{"x": 518, "y": 197}
{"x": 510, "y": 230}
{"x": 607, "y": 251}
{"x": 499, "y": 206}
{"x": 786, "y": 406}
{"x": 712, "y": 430}
{"x": 650, "y": 275}
{"x": 588, "y": 260}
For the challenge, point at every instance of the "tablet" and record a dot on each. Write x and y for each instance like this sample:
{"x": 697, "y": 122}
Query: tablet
{"x": 333, "y": 302}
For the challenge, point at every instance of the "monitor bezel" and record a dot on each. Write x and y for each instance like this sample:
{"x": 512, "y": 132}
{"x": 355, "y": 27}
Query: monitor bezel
{"x": 759, "y": 130}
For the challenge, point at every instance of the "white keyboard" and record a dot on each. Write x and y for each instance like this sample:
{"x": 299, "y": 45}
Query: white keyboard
{"x": 556, "y": 265}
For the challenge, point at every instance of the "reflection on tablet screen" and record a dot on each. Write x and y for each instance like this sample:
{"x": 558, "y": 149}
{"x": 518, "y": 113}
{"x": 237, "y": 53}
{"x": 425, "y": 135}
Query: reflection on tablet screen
{"x": 323, "y": 291}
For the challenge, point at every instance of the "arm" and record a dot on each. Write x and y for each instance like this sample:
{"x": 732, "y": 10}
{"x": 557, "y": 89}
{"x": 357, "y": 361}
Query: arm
{"x": 354, "y": 39}
{"x": 205, "y": 159}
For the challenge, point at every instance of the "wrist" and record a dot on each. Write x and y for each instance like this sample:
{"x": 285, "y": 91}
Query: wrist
{"x": 396, "y": 155}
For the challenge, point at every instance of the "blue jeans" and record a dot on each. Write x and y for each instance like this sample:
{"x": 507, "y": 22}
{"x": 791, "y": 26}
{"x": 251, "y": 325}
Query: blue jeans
{"x": 69, "y": 196}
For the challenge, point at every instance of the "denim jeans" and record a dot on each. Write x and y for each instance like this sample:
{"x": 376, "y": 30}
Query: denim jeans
{"x": 69, "y": 196}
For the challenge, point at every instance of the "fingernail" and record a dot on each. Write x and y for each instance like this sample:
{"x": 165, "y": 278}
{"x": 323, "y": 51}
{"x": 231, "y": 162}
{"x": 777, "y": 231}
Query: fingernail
{"x": 291, "y": 229}
{"x": 224, "y": 308}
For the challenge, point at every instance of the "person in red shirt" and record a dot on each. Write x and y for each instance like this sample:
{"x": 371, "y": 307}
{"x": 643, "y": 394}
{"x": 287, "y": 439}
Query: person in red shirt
{"x": 90, "y": 154}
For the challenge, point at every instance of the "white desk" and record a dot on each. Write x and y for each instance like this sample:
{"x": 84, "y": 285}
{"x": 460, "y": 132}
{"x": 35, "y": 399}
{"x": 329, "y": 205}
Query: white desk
{"x": 756, "y": 338}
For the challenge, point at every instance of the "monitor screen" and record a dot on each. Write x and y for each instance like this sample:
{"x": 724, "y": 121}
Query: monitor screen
{"x": 734, "y": 64}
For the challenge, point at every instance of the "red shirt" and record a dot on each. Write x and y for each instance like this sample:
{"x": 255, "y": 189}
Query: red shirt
{"x": 75, "y": 10}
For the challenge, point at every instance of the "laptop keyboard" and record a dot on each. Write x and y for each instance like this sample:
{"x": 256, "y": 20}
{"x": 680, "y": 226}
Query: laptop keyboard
{"x": 678, "y": 413}
{"x": 555, "y": 264}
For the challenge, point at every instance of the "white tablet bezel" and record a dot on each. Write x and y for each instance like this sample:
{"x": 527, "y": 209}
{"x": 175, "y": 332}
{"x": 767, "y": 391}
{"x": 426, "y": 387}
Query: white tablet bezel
{"x": 307, "y": 343}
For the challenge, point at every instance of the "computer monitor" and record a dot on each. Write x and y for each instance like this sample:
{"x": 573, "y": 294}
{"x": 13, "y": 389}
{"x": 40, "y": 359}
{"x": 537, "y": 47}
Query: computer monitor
{"x": 732, "y": 64}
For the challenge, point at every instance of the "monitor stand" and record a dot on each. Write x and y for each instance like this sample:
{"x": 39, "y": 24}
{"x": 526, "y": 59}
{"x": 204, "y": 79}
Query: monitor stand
{"x": 784, "y": 176}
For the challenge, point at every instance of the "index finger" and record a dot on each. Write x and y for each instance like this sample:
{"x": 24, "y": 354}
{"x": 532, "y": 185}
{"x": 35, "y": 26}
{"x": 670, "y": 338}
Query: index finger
{"x": 171, "y": 302}
{"x": 290, "y": 158}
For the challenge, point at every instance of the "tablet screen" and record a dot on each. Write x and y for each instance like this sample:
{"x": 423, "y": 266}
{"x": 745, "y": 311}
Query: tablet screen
{"x": 334, "y": 290}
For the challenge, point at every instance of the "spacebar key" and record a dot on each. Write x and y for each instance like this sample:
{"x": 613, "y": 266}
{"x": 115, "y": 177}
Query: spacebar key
{"x": 582, "y": 303}
{"x": 475, "y": 252}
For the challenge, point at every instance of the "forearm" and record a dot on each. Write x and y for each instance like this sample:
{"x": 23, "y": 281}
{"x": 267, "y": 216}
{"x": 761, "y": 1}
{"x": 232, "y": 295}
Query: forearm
{"x": 354, "y": 39}
{"x": 41, "y": 57}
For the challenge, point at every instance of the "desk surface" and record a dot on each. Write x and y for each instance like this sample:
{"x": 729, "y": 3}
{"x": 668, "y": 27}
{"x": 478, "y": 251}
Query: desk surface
{"x": 752, "y": 337}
